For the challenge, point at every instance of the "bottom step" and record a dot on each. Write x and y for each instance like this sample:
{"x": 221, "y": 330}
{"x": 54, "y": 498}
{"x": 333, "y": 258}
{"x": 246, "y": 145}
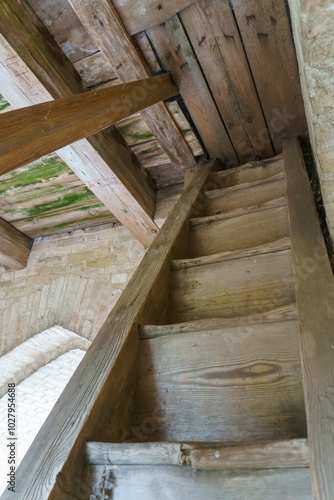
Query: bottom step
{"x": 125, "y": 471}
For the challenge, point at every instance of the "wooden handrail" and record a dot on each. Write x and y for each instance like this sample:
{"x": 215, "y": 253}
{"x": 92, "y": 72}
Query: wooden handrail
{"x": 97, "y": 400}
{"x": 31, "y": 132}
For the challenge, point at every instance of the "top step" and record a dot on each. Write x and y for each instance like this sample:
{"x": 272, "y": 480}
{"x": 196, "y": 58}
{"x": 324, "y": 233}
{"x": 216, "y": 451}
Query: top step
{"x": 253, "y": 171}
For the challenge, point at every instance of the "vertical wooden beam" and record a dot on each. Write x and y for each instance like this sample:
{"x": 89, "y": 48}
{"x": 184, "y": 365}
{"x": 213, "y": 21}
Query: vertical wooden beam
{"x": 103, "y": 24}
{"x": 315, "y": 304}
{"x": 103, "y": 162}
{"x": 14, "y": 246}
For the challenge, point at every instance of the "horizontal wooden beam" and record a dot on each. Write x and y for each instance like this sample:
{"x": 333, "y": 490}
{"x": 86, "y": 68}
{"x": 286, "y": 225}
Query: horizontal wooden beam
{"x": 34, "y": 131}
{"x": 315, "y": 299}
{"x": 139, "y": 15}
{"x": 103, "y": 24}
{"x": 33, "y": 69}
{"x": 14, "y": 246}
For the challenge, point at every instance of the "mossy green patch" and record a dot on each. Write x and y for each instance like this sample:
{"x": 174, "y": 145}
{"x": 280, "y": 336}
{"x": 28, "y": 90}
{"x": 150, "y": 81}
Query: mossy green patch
{"x": 3, "y": 103}
{"x": 149, "y": 150}
{"x": 65, "y": 201}
{"x": 131, "y": 131}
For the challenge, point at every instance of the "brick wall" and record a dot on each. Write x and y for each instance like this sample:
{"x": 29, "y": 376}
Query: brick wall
{"x": 72, "y": 280}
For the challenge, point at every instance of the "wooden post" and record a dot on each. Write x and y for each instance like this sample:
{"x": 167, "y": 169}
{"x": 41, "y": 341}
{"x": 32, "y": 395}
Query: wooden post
{"x": 29, "y": 133}
{"x": 315, "y": 304}
{"x": 14, "y": 246}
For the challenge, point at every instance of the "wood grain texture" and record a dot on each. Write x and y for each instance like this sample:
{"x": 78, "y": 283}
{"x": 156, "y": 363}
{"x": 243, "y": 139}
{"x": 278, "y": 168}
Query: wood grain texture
{"x": 207, "y": 52}
{"x": 178, "y": 483}
{"x": 239, "y": 233}
{"x": 285, "y": 313}
{"x": 232, "y": 288}
{"x": 202, "y": 456}
{"x": 315, "y": 298}
{"x": 53, "y": 125}
{"x": 266, "y": 35}
{"x": 250, "y": 172}
{"x": 104, "y": 163}
{"x": 239, "y": 384}
{"x": 139, "y": 15}
{"x": 103, "y": 24}
{"x": 178, "y": 58}
{"x": 227, "y": 36}
{"x": 14, "y": 246}
{"x": 104, "y": 378}
{"x": 165, "y": 201}
{"x": 223, "y": 202}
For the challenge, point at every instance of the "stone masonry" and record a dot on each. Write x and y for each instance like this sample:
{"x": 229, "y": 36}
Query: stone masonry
{"x": 313, "y": 30}
{"x": 71, "y": 279}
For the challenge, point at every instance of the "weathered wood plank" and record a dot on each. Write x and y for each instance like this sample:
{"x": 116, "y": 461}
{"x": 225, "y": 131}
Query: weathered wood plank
{"x": 315, "y": 299}
{"x": 267, "y": 37}
{"x": 178, "y": 57}
{"x": 220, "y": 202}
{"x": 230, "y": 45}
{"x": 166, "y": 199}
{"x": 33, "y": 131}
{"x": 202, "y": 456}
{"x": 227, "y": 385}
{"x": 104, "y": 378}
{"x": 207, "y": 52}
{"x": 139, "y": 15}
{"x": 103, "y": 162}
{"x": 232, "y": 288}
{"x": 143, "y": 482}
{"x": 14, "y": 246}
{"x": 285, "y": 313}
{"x": 105, "y": 27}
{"x": 239, "y": 233}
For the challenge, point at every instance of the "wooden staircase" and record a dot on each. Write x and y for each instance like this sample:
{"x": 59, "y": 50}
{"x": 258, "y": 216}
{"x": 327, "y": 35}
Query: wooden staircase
{"x": 193, "y": 388}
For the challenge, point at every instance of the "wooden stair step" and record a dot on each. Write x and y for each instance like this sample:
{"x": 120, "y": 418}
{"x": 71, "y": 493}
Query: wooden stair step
{"x": 144, "y": 482}
{"x": 232, "y": 288}
{"x": 202, "y": 456}
{"x": 272, "y": 247}
{"x": 241, "y": 232}
{"x": 285, "y": 313}
{"x": 243, "y": 185}
{"x": 279, "y": 202}
{"x": 250, "y": 172}
{"x": 218, "y": 201}
{"x": 233, "y": 384}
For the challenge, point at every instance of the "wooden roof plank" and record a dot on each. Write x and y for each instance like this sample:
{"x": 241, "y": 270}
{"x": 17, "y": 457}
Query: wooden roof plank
{"x": 266, "y": 35}
{"x": 207, "y": 51}
{"x": 175, "y": 51}
{"x": 103, "y": 162}
{"x": 104, "y": 26}
{"x": 227, "y": 36}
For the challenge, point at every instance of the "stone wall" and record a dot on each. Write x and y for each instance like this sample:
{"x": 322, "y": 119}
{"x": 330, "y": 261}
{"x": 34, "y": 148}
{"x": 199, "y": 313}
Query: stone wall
{"x": 72, "y": 280}
{"x": 313, "y": 29}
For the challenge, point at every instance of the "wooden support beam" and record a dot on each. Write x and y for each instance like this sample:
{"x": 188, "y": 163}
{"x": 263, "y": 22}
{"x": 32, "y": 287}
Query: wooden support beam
{"x": 103, "y": 24}
{"x": 315, "y": 299}
{"x": 100, "y": 380}
{"x": 32, "y": 70}
{"x": 139, "y": 15}
{"x": 34, "y": 131}
{"x": 14, "y": 246}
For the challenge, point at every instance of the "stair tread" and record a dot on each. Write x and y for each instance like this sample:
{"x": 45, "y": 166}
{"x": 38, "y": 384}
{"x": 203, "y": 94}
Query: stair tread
{"x": 224, "y": 200}
{"x": 243, "y": 185}
{"x": 252, "y": 166}
{"x": 238, "y": 212}
{"x": 202, "y": 455}
{"x": 279, "y": 314}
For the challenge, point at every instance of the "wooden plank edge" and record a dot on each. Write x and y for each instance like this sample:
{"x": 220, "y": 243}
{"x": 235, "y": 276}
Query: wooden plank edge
{"x": 277, "y": 315}
{"x": 292, "y": 453}
{"x": 216, "y": 193}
